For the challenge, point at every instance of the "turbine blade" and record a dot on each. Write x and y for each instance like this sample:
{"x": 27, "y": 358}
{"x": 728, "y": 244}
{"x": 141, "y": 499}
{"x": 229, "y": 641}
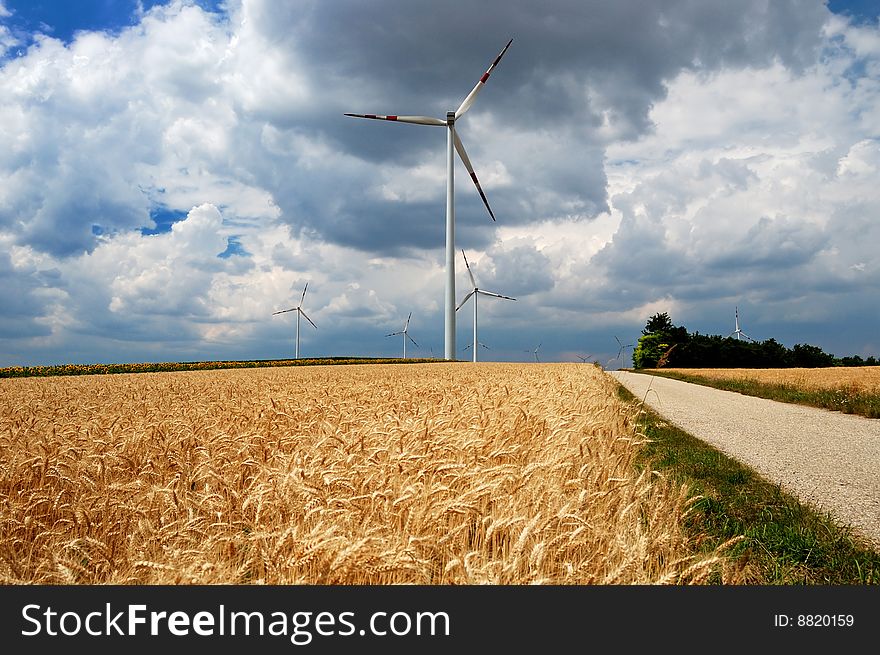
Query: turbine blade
{"x": 470, "y": 169}
{"x": 284, "y": 311}
{"x": 411, "y": 339}
{"x": 406, "y": 326}
{"x": 469, "y": 100}
{"x": 465, "y": 299}
{"x": 417, "y": 120}
{"x": 468, "y": 266}
{"x": 496, "y": 295}
{"x": 304, "y": 294}
{"x": 393, "y": 334}
{"x": 308, "y": 319}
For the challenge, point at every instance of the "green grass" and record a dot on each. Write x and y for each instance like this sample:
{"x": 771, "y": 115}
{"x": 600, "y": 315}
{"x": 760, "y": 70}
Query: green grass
{"x": 785, "y": 542}
{"x": 843, "y": 400}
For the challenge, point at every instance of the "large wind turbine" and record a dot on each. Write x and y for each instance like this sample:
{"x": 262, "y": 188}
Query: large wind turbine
{"x": 405, "y": 333}
{"x": 452, "y": 143}
{"x": 299, "y": 312}
{"x": 739, "y": 333}
{"x": 475, "y": 292}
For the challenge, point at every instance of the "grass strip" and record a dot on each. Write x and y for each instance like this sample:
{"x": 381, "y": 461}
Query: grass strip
{"x": 839, "y": 399}
{"x": 785, "y": 542}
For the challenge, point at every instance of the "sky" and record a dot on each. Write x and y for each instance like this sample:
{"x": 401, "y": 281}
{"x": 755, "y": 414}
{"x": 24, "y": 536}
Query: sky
{"x": 173, "y": 173}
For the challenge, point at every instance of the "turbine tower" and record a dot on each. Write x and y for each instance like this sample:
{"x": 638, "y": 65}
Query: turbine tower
{"x": 405, "y": 334}
{"x": 739, "y": 333}
{"x": 299, "y": 312}
{"x": 452, "y": 143}
{"x": 475, "y": 292}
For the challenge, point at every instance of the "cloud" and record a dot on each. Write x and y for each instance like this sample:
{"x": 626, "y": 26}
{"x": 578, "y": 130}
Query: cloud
{"x": 682, "y": 154}
{"x": 738, "y": 200}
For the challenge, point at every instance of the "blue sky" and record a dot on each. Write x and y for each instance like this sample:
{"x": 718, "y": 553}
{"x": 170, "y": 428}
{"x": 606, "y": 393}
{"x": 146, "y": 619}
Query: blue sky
{"x": 63, "y": 20}
{"x": 172, "y": 173}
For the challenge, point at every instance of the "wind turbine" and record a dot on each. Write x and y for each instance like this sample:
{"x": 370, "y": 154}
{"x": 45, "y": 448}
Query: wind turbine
{"x": 583, "y": 358}
{"x": 299, "y": 312}
{"x": 622, "y": 347}
{"x": 534, "y": 352}
{"x": 482, "y": 345}
{"x": 405, "y": 333}
{"x": 475, "y": 292}
{"x": 739, "y": 333}
{"x": 452, "y": 142}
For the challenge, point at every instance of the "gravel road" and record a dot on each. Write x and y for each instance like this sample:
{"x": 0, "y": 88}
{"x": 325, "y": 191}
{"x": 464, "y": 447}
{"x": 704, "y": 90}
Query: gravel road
{"x": 828, "y": 460}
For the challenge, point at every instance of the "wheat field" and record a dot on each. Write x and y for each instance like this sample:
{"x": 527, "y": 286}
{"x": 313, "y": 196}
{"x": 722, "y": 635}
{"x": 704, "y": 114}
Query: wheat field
{"x": 453, "y": 473}
{"x": 857, "y": 379}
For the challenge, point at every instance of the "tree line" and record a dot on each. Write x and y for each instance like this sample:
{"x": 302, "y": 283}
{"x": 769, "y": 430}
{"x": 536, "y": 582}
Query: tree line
{"x": 663, "y": 344}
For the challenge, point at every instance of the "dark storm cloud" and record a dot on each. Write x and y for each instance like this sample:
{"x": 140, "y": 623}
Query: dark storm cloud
{"x": 591, "y": 70}
{"x": 578, "y": 76}
{"x": 23, "y": 309}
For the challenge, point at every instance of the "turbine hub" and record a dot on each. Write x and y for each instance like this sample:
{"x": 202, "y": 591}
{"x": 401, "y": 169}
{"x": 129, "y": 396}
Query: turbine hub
{"x": 450, "y": 117}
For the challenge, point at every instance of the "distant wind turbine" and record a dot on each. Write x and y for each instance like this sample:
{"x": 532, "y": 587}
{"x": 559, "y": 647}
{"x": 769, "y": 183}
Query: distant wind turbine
{"x": 452, "y": 143}
{"x": 405, "y": 333}
{"x": 535, "y": 352}
{"x": 583, "y": 358}
{"x": 622, "y": 347}
{"x": 299, "y": 312}
{"x": 739, "y": 333}
{"x": 475, "y": 292}
{"x": 482, "y": 345}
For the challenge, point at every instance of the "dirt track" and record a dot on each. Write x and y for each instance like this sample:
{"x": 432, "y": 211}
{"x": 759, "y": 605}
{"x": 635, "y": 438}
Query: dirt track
{"x": 828, "y": 460}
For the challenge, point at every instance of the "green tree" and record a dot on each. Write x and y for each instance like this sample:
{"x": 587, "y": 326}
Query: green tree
{"x": 650, "y": 349}
{"x": 806, "y": 356}
{"x": 658, "y": 323}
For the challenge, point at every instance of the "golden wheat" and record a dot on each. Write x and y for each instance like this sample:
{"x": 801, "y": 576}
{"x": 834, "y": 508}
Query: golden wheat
{"x": 860, "y": 379}
{"x": 368, "y": 474}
